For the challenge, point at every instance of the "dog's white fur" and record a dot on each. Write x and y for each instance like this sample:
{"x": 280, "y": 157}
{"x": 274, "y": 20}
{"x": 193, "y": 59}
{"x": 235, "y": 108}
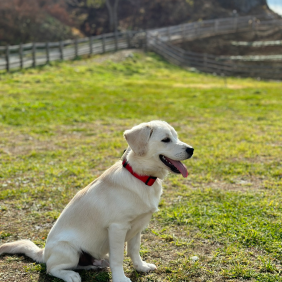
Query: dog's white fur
{"x": 110, "y": 211}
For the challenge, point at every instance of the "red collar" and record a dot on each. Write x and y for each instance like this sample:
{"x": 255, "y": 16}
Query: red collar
{"x": 148, "y": 180}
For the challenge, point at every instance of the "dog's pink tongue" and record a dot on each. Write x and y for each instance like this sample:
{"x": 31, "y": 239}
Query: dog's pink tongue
{"x": 180, "y": 166}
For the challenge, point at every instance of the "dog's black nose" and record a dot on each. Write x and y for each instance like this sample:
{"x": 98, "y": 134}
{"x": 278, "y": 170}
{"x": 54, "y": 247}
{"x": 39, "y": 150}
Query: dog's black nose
{"x": 190, "y": 151}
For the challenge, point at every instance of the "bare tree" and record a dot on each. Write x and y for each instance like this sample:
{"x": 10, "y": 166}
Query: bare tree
{"x": 113, "y": 14}
{"x": 90, "y": 5}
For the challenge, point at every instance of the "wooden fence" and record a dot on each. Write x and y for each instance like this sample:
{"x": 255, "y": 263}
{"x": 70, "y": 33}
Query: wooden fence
{"x": 162, "y": 41}
{"x": 36, "y": 54}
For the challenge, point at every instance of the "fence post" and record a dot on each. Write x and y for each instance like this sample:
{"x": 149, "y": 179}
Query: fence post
{"x": 8, "y": 58}
{"x": 236, "y": 23}
{"x": 116, "y": 41}
{"x": 255, "y": 26}
{"x": 196, "y": 29}
{"x": 254, "y": 23}
{"x": 184, "y": 59}
{"x": 168, "y": 33}
{"x": 234, "y": 68}
{"x": 128, "y": 39}
{"x": 103, "y": 43}
{"x": 75, "y": 48}
{"x": 90, "y": 45}
{"x": 61, "y": 50}
{"x": 146, "y": 41}
{"x": 47, "y": 52}
{"x": 183, "y": 32}
{"x": 34, "y": 54}
{"x": 216, "y": 24}
{"x": 21, "y": 55}
{"x": 205, "y": 61}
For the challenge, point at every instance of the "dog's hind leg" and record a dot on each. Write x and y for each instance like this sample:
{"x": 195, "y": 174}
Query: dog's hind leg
{"x": 62, "y": 258}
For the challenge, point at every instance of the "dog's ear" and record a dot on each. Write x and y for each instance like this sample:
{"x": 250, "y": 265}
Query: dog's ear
{"x": 138, "y": 137}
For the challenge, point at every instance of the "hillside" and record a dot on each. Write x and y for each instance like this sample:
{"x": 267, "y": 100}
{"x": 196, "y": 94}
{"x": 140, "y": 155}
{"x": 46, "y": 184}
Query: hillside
{"x": 144, "y": 14}
{"x": 41, "y": 20}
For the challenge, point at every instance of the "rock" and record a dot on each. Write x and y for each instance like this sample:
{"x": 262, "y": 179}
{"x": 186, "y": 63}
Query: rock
{"x": 194, "y": 258}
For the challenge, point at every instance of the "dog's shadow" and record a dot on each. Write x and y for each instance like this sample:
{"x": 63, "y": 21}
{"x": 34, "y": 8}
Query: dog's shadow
{"x": 86, "y": 276}
{"x": 102, "y": 275}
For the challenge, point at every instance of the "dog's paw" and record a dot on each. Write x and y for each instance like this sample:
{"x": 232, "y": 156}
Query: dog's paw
{"x": 145, "y": 267}
{"x": 72, "y": 276}
{"x": 121, "y": 279}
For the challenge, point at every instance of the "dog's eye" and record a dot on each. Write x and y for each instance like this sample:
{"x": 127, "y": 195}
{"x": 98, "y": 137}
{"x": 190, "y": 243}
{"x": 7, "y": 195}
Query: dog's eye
{"x": 166, "y": 140}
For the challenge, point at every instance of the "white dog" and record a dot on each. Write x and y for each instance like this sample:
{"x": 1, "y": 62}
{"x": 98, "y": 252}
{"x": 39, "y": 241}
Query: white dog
{"x": 113, "y": 209}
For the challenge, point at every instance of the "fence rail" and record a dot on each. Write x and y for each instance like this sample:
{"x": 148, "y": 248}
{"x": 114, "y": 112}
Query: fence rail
{"x": 161, "y": 41}
{"x": 36, "y": 54}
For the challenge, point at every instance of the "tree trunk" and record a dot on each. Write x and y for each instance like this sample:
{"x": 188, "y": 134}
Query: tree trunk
{"x": 113, "y": 15}
{"x": 116, "y": 15}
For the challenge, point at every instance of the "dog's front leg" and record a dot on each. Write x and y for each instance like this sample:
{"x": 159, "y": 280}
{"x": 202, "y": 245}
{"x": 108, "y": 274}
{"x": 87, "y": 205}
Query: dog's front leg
{"x": 133, "y": 248}
{"x": 117, "y": 234}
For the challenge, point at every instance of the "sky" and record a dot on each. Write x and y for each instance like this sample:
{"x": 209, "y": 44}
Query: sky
{"x": 275, "y": 5}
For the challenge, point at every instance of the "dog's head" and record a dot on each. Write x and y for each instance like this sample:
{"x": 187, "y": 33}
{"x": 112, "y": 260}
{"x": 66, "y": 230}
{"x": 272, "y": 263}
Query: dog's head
{"x": 157, "y": 142}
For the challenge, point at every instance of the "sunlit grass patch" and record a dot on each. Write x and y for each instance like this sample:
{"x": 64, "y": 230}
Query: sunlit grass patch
{"x": 61, "y": 126}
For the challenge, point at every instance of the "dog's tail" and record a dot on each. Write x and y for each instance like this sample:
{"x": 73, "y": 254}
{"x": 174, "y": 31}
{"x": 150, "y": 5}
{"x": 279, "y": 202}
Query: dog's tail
{"x": 25, "y": 247}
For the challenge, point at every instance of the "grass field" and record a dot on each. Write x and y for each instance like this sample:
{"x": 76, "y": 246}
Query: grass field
{"x": 61, "y": 126}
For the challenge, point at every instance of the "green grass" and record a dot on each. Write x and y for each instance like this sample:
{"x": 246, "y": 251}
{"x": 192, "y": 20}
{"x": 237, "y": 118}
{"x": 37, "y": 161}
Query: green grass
{"x": 62, "y": 125}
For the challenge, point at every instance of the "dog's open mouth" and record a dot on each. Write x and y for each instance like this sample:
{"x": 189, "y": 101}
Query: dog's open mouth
{"x": 175, "y": 166}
